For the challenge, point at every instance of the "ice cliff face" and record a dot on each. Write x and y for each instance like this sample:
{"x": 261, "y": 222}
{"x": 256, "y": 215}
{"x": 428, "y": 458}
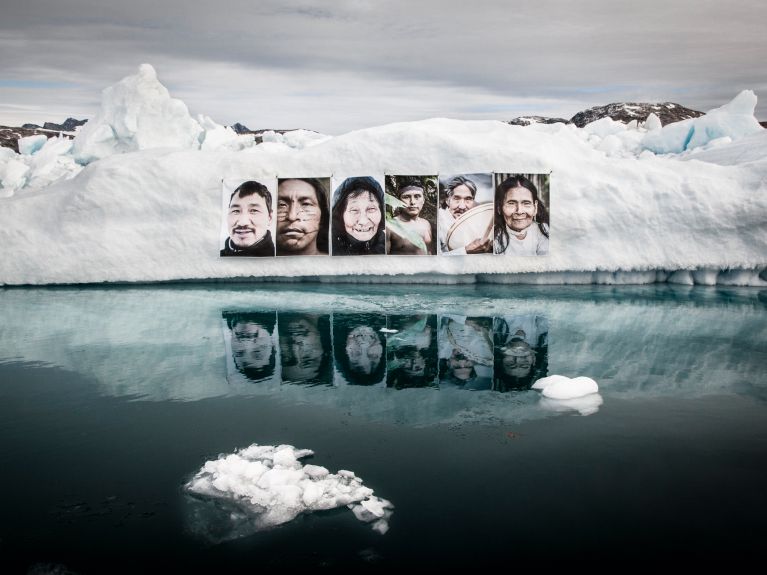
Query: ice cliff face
{"x": 685, "y": 202}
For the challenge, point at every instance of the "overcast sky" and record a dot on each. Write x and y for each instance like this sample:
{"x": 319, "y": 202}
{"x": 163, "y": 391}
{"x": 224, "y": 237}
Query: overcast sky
{"x": 340, "y": 65}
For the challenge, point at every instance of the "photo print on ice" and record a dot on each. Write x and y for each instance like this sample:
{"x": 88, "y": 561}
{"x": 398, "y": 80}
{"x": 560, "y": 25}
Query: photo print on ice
{"x": 357, "y": 222}
{"x": 303, "y": 216}
{"x": 465, "y": 215}
{"x": 248, "y": 222}
{"x": 411, "y": 215}
{"x": 521, "y": 219}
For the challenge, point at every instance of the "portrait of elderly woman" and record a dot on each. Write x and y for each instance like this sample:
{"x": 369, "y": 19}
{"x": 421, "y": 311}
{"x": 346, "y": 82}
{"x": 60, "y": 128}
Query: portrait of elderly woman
{"x": 359, "y": 348}
{"x": 358, "y": 221}
{"x": 521, "y": 351}
{"x": 521, "y": 217}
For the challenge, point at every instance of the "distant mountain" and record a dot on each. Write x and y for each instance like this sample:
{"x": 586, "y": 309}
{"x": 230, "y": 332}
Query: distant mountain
{"x": 625, "y": 112}
{"x": 9, "y": 136}
{"x": 240, "y": 129}
{"x": 527, "y": 120}
{"x": 69, "y": 125}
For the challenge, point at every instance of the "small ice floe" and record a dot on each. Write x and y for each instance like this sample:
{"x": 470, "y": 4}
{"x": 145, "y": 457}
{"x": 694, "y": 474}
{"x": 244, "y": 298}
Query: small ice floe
{"x": 387, "y": 330}
{"x": 562, "y": 393}
{"x": 263, "y": 486}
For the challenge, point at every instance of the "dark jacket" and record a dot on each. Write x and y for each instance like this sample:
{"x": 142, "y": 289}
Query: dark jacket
{"x": 343, "y": 243}
{"x": 263, "y": 248}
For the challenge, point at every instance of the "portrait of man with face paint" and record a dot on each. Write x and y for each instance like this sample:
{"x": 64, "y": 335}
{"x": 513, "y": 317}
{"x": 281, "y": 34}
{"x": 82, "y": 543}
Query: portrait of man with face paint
{"x": 249, "y": 222}
{"x": 358, "y": 221}
{"x": 303, "y": 216}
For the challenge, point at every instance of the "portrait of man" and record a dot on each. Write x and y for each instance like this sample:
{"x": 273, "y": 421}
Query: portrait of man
{"x": 411, "y": 351}
{"x": 249, "y": 222}
{"x": 411, "y": 225}
{"x": 465, "y": 352}
{"x": 459, "y": 195}
{"x": 303, "y": 216}
{"x": 521, "y": 216}
{"x": 358, "y": 223}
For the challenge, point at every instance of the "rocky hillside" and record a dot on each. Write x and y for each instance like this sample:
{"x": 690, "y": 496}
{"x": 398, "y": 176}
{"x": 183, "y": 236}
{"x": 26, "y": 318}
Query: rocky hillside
{"x": 9, "y": 137}
{"x": 69, "y": 125}
{"x": 625, "y": 112}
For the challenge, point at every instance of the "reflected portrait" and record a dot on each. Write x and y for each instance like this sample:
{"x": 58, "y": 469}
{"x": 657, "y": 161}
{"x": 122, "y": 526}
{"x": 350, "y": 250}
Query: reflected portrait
{"x": 411, "y": 215}
{"x": 358, "y": 223}
{"x": 303, "y": 216}
{"x": 521, "y": 351}
{"x": 359, "y": 348}
{"x": 411, "y": 351}
{"x": 252, "y": 343}
{"x": 305, "y": 348}
{"x": 465, "y": 352}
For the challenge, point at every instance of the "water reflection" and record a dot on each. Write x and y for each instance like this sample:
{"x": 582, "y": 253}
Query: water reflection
{"x": 252, "y": 343}
{"x": 466, "y": 352}
{"x": 359, "y": 348}
{"x": 521, "y": 351}
{"x": 305, "y": 348}
{"x": 411, "y": 359}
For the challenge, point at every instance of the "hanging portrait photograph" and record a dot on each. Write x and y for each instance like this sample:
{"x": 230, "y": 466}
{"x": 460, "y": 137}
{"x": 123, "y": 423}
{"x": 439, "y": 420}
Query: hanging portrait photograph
{"x": 521, "y": 214}
{"x": 465, "y": 215}
{"x": 248, "y": 223}
{"x": 358, "y": 224}
{"x": 411, "y": 215}
{"x": 303, "y": 216}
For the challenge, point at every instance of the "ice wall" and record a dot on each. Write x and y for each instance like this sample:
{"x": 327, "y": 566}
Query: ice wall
{"x": 150, "y": 208}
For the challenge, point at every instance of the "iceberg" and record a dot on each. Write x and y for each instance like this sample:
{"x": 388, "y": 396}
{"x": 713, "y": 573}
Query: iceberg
{"x": 628, "y": 204}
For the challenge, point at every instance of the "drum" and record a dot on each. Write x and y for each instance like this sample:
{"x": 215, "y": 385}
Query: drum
{"x": 476, "y": 223}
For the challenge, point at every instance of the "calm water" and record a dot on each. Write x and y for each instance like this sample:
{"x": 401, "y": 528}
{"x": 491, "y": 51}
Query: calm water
{"x": 110, "y": 399}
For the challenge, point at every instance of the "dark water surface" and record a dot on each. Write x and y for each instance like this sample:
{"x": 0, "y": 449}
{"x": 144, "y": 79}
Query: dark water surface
{"x": 110, "y": 399}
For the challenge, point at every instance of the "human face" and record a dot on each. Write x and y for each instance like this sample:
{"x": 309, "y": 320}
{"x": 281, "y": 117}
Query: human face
{"x": 251, "y": 345}
{"x": 460, "y": 201}
{"x": 413, "y": 199}
{"x": 248, "y": 220}
{"x": 362, "y": 216}
{"x": 460, "y": 365}
{"x": 519, "y": 209}
{"x": 301, "y": 350}
{"x": 364, "y": 349}
{"x": 518, "y": 359}
{"x": 298, "y": 216}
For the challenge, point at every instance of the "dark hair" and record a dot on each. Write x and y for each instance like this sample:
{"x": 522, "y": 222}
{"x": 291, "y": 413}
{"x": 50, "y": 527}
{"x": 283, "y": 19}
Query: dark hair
{"x": 351, "y": 188}
{"x": 251, "y": 187}
{"x": 343, "y": 325}
{"x": 322, "y": 200}
{"x": 541, "y": 217}
{"x": 453, "y": 183}
{"x": 410, "y": 183}
{"x": 267, "y": 320}
{"x": 503, "y": 381}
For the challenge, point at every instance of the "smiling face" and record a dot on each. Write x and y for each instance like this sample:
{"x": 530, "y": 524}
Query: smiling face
{"x": 248, "y": 220}
{"x": 519, "y": 208}
{"x": 251, "y": 345}
{"x": 362, "y": 216}
{"x": 298, "y": 217}
{"x": 364, "y": 349}
{"x": 413, "y": 198}
{"x": 460, "y": 201}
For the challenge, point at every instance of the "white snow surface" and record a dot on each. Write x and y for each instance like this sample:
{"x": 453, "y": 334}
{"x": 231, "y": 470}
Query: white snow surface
{"x": 626, "y": 203}
{"x": 270, "y": 486}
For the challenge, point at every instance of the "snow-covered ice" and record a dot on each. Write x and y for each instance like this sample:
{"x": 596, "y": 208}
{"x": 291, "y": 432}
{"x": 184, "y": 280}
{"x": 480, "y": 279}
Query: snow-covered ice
{"x": 633, "y": 203}
{"x": 263, "y": 486}
{"x": 563, "y": 387}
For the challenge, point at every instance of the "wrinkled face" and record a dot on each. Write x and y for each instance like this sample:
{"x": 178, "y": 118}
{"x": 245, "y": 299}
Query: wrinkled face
{"x": 362, "y": 216}
{"x": 298, "y": 215}
{"x": 251, "y": 345}
{"x": 301, "y": 350}
{"x": 364, "y": 349}
{"x": 413, "y": 199}
{"x": 460, "y": 365}
{"x": 460, "y": 201}
{"x": 518, "y": 359}
{"x": 519, "y": 209}
{"x": 248, "y": 220}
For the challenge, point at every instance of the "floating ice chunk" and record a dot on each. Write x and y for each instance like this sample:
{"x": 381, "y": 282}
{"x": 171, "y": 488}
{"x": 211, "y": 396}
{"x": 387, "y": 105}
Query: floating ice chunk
{"x": 137, "y": 113}
{"x": 561, "y": 387}
{"x": 31, "y": 144}
{"x": 735, "y": 120}
{"x": 387, "y": 330}
{"x": 263, "y": 486}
